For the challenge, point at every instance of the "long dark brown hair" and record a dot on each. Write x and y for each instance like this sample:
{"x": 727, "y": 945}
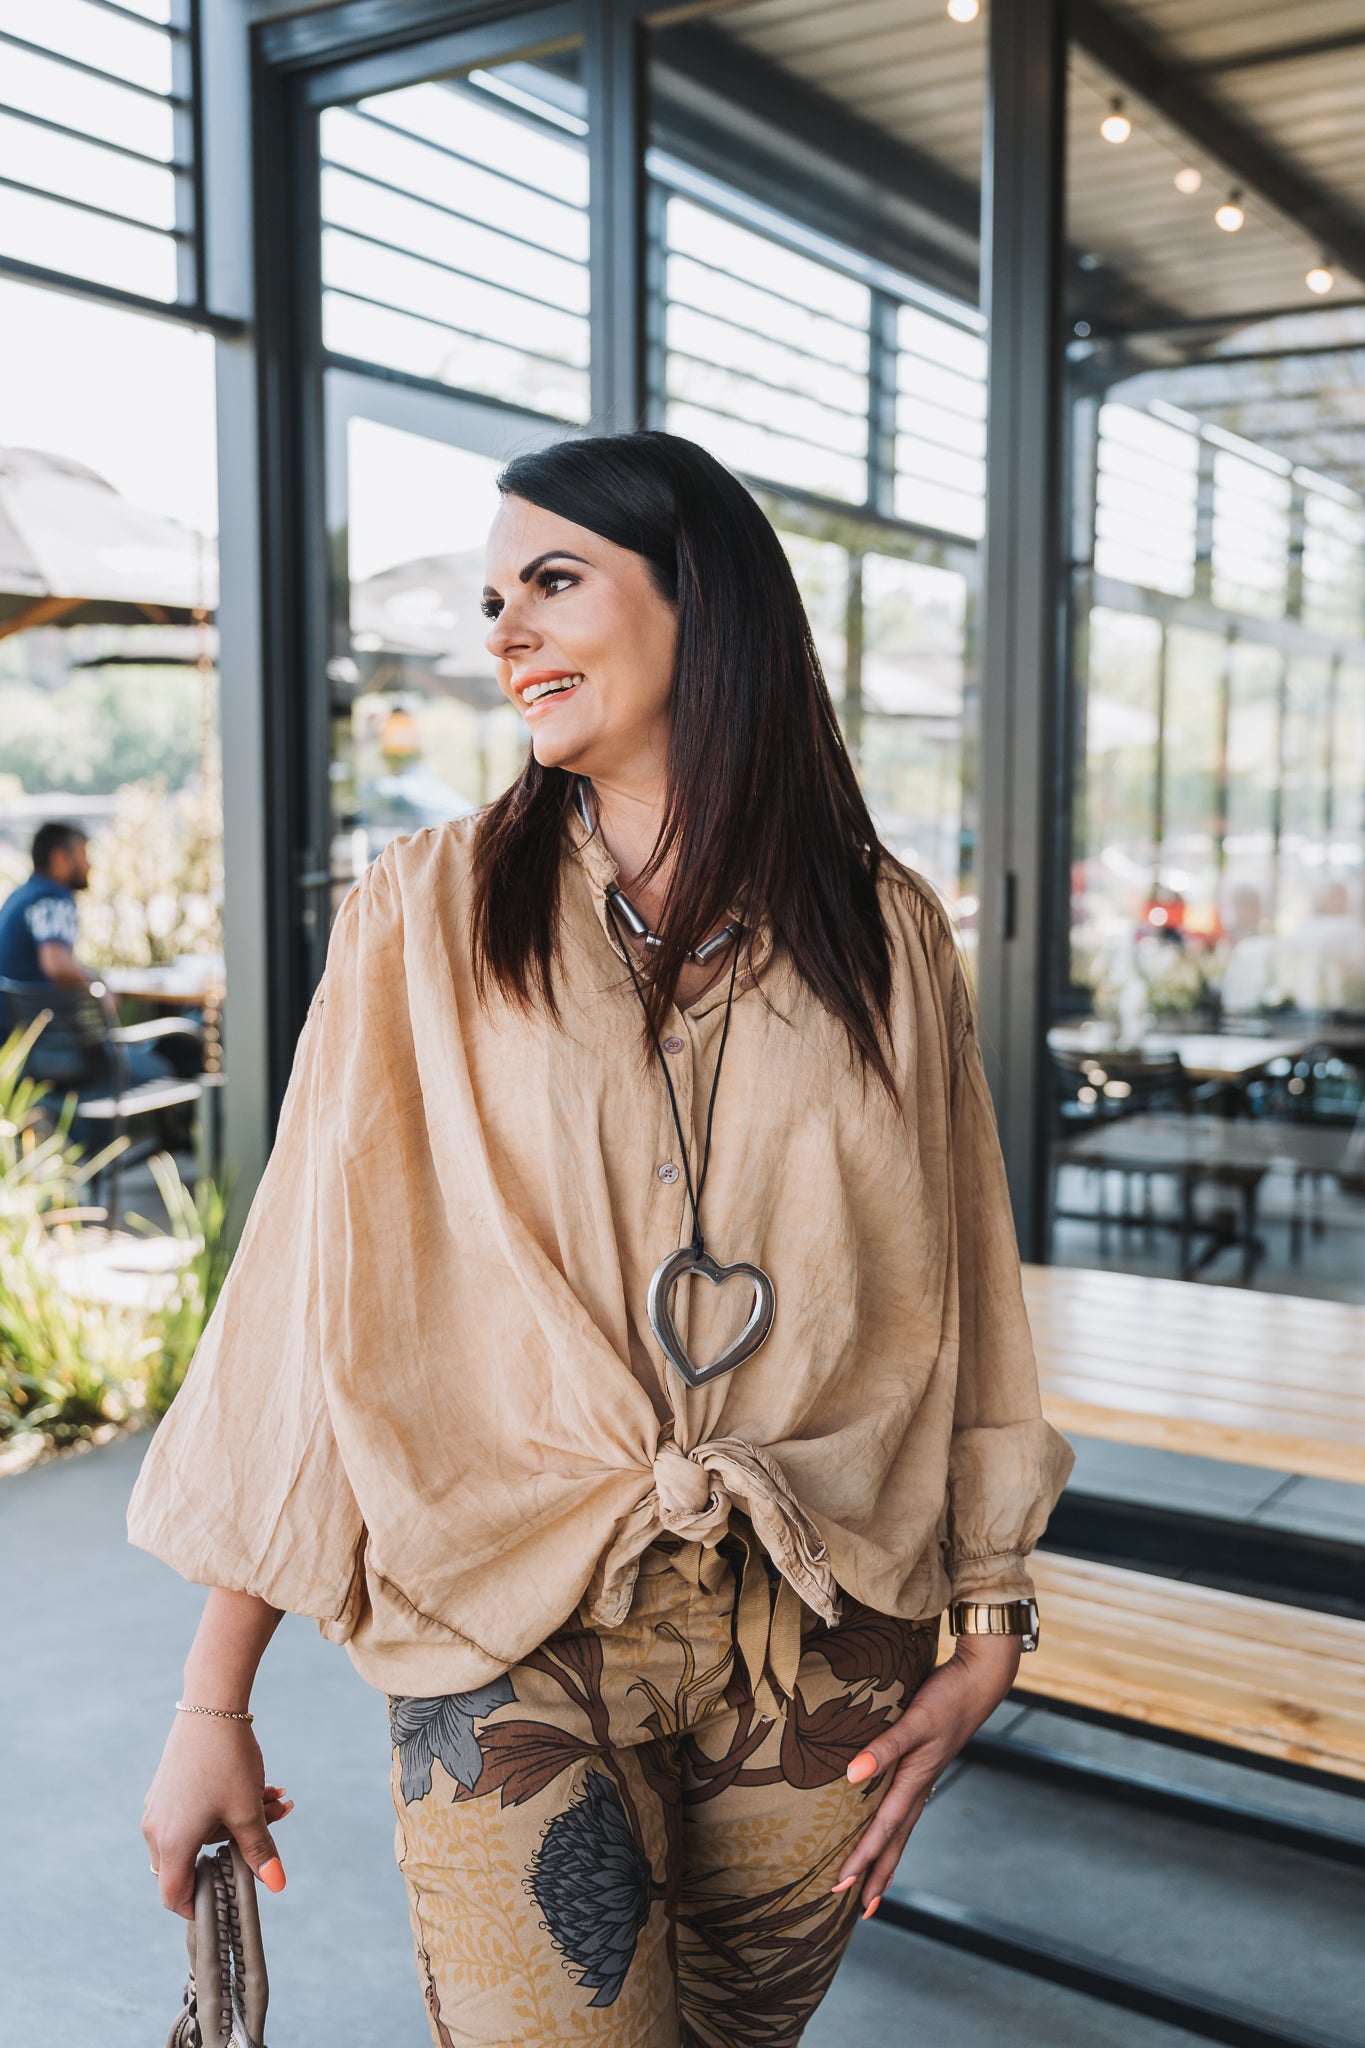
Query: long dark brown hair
{"x": 760, "y": 795}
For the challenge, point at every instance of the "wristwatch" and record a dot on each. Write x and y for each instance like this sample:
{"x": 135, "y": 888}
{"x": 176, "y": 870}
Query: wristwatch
{"x": 996, "y": 1618}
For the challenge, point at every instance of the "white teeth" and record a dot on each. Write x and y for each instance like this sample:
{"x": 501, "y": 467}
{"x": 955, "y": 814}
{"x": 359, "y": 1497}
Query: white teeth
{"x": 536, "y": 691}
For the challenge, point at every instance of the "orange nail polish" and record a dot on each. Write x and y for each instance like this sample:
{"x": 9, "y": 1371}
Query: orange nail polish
{"x": 872, "y": 1907}
{"x": 844, "y": 1883}
{"x": 864, "y": 1765}
{"x": 271, "y": 1875}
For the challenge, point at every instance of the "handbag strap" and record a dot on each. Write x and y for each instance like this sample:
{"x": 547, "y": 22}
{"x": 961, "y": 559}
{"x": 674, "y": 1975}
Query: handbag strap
{"x": 228, "y": 1991}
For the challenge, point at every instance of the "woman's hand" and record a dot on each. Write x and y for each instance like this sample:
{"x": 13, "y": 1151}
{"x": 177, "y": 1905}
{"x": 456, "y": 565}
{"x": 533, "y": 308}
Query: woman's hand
{"x": 210, "y": 1783}
{"x": 211, "y": 1780}
{"x": 944, "y": 1714}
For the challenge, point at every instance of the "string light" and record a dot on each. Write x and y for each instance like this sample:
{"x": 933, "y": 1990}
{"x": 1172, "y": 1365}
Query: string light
{"x": 1229, "y": 216}
{"x": 963, "y": 10}
{"x": 1116, "y": 127}
{"x": 1188, "y": 180}
{"x": 1320, "y": 278}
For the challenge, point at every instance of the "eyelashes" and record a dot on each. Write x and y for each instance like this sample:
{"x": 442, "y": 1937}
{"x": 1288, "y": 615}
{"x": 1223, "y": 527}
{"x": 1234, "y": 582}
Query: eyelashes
{"x": 545, "y": 582}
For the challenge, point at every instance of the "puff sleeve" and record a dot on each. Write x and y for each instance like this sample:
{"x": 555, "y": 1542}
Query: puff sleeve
{"x": 244, "y": 1486}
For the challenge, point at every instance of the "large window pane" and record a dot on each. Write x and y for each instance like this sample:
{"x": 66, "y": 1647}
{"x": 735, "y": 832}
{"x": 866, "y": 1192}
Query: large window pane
{"x": 91, "y": 131}
{"x": 1191, "y": 743}
{"x": 913, "y": 697}
{"x": 1145, "y": 492}
{"x": 455, "y": 241}
{"x": 1118, "y": 784}
{"x": 940, "y": 423}
{"x": 752, "y": 369}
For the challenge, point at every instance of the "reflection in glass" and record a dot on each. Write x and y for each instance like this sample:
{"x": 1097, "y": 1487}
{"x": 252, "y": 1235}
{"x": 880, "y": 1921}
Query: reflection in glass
{"x": 420, "y": 731}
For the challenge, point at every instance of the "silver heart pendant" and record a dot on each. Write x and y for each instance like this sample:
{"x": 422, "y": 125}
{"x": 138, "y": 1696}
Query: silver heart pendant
{"x": 666, "y": 1276}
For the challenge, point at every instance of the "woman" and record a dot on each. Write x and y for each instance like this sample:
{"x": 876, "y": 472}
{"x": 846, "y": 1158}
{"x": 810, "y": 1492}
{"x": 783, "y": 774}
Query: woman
{"x": 650, "y": 1570}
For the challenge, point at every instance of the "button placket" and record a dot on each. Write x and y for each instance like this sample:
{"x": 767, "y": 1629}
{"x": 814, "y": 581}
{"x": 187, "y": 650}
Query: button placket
{"x": 670, "y": 1169}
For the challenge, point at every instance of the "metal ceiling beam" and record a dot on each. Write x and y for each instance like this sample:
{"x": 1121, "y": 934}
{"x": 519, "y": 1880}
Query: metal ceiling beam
{"x": 1192, "y": 326}
{"x": 1274, "y": 53}
{"x": 1279, "y": 355}
{"x": 1143, "y": 70}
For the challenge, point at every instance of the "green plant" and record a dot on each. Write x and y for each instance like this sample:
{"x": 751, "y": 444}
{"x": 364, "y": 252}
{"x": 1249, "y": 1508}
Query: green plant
{"x": 156, "y": 882}
{"x": 199, "y": 1220}
{"x": 65, "y": 1366}
{"x": 71, "y": 1365}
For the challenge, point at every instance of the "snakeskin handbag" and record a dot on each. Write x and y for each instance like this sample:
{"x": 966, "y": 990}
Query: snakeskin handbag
{"x": 225, "y": 1998}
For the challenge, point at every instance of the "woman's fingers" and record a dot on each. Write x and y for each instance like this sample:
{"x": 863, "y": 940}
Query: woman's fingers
{"x": 882, "y": 1867}
{"x": 175, "y": 1877}
{"x": 888, "y": 1748}
{"x": 871, "y": 1863}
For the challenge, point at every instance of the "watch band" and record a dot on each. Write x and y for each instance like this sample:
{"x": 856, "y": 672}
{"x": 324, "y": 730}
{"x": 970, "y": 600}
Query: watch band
{"x": 996, "y": 1618}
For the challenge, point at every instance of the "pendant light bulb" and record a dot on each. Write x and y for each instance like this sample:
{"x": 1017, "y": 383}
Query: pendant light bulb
{"x": 1320, "y": 279}
{"x": 963, "y": 10}
{"x": 1116, "y": 127}
{"x": 1230, "y": 216}
{"x": 1188, "y": 180}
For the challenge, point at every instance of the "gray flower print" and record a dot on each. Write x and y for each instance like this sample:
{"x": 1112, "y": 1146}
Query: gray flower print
{"x": 594, "y": 1885}
{"x": 427, "y": 1731}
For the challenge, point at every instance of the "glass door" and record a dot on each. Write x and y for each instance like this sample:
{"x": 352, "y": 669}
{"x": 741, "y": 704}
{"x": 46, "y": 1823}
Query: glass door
{"x": 452, "y": 329}
{"x": 418, "y": 729}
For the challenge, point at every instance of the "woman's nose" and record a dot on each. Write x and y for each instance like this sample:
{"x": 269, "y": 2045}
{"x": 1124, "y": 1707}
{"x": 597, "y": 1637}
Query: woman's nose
{"x": 508, "y": 634}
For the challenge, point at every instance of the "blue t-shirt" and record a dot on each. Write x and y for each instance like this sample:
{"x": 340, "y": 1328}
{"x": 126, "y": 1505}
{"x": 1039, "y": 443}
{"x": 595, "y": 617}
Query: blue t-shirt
{"x": 38, "y": 910}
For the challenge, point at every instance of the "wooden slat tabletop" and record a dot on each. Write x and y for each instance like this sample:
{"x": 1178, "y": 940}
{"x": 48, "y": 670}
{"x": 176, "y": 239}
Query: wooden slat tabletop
{"x": 1259, "y": 1379}
{"x": 1254, "y": 1673}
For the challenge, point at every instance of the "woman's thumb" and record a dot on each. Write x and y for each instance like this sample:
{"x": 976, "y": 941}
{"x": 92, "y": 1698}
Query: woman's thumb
{"x": 256, "y": 1846}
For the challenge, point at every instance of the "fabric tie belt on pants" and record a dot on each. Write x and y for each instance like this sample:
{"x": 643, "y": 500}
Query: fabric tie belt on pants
{"x": 729, "y": 1487}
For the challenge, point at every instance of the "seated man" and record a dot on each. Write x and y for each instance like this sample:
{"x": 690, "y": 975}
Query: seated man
{"x": 38, "y": 932}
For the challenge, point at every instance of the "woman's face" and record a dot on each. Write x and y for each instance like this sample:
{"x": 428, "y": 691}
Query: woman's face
{"x": 584, "y": 644}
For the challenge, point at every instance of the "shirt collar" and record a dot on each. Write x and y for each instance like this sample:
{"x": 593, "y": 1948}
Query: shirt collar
{"x": 603, "y": 874}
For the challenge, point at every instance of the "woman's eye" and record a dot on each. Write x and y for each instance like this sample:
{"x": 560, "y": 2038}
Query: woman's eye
{"x": 490, "y": 606}
{"x": 552, "y": 581}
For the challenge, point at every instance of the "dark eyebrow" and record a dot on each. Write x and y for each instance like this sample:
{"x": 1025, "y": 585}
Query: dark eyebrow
{"x": 550, "y": 555}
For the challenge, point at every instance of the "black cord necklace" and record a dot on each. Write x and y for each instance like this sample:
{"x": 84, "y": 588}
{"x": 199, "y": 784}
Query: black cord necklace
{"x": 639, "y": 927}
{"x": 695, "y": 1258}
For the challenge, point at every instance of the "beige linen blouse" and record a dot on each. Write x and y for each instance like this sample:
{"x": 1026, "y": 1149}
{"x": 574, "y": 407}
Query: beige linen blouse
{"x": 429, "y": 1409}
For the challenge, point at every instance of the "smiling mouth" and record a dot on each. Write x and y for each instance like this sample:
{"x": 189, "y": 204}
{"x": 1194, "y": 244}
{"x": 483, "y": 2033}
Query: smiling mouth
{"x": 553, "y": 686}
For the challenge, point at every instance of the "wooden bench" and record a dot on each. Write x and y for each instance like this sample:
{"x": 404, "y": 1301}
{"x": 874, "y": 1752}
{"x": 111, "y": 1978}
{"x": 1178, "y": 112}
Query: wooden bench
{"x": 1260, "y": 1379}
{"x": 1254, "y": 1675}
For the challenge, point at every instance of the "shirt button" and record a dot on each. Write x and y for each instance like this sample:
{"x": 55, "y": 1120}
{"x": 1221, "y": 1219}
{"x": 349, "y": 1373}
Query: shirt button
{"x": 673, "y": 1045}
{"x": 668, "y": 1171}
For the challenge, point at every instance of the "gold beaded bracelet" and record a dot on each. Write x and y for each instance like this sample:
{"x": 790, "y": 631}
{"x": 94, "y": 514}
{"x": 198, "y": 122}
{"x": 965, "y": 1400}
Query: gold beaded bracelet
{"x": 217, "y": 1713}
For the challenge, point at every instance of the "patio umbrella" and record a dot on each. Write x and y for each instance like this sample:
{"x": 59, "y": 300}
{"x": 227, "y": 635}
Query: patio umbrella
{"x": 73, "y": 552}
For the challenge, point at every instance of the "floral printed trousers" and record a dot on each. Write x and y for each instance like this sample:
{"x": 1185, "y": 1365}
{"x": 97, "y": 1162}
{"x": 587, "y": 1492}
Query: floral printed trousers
{"x": 609, "y": 1845}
